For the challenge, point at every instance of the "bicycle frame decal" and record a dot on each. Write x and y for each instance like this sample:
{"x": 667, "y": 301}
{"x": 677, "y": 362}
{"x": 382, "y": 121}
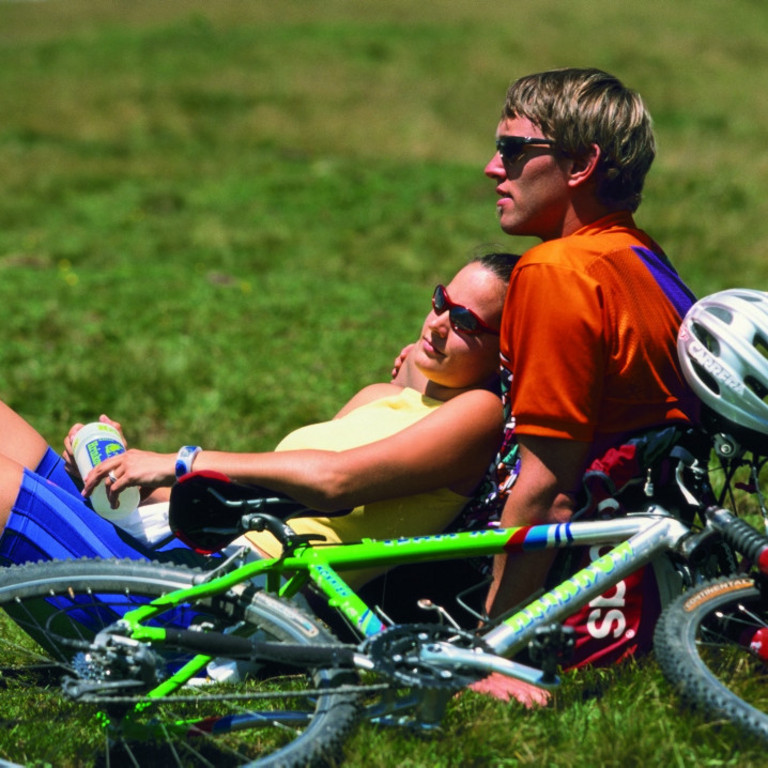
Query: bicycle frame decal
{"x": 588, "y": 583}
{"x": 480, "y": 538}
{"x": 571, "y": 588}
{"x": 534, "y": 537}
{"x": 344, "y": 599}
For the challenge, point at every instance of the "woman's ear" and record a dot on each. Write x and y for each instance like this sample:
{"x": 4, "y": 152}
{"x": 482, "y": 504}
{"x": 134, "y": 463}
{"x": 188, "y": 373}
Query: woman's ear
{"x": 583, "y": 168}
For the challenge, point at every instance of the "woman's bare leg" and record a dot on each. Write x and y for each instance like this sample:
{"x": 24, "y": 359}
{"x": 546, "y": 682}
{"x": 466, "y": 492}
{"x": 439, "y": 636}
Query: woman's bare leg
{"x": 19, "y": 440}
{"x": 11, "y": 473}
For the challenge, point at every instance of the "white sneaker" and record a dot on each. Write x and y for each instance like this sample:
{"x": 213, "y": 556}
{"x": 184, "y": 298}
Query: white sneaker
{"x": 231, "y": 671}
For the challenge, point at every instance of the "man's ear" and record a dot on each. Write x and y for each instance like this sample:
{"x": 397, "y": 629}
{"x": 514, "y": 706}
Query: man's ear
{"x": 583, "y": 168}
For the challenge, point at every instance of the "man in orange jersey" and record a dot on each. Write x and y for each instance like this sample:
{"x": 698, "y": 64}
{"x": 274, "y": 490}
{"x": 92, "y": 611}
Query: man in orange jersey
{"x": 591, "y": 317}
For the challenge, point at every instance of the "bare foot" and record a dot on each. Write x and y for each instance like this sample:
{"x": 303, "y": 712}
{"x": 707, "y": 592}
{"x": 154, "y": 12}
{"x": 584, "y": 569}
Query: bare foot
{"x": 506, "y": 688}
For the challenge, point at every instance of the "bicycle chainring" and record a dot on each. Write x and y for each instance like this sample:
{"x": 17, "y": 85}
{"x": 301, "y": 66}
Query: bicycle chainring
{"x": 396, "y": 654}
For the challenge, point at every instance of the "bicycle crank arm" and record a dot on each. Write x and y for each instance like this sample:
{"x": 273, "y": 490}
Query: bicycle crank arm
{"x": 450, "y": 657}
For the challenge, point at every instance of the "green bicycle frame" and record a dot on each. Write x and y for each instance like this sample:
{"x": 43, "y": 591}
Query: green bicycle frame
{"x": 635, "y": 541}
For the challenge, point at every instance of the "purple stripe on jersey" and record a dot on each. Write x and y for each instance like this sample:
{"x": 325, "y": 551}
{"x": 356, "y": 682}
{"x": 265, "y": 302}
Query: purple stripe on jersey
{"x": 667, "y": 279}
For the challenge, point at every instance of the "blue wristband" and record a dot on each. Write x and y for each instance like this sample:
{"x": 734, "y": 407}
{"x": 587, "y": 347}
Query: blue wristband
{"x": 184, "y": 459}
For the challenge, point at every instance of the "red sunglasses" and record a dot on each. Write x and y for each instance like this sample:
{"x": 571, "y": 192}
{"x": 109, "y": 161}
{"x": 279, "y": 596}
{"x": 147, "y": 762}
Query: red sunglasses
{"x": 462, "y": 320}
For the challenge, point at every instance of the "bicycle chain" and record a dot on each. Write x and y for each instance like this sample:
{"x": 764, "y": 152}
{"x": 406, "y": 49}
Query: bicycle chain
{"x": 341, "y": 690}
{"x": 395, "y": 653}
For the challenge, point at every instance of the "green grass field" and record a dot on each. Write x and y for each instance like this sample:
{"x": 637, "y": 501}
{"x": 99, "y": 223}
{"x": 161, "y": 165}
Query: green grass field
{"x": 219, "y": 220}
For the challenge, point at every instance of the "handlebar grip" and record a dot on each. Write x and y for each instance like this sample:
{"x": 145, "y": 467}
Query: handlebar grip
{"x": 750, "y": 542}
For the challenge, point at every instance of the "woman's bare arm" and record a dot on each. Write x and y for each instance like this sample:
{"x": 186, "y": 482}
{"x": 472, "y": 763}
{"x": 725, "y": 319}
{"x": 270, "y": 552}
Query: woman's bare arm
{"x": 451, "y": 447}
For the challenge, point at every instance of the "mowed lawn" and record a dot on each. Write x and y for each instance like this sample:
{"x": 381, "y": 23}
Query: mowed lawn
{"x": 219, "y": 220}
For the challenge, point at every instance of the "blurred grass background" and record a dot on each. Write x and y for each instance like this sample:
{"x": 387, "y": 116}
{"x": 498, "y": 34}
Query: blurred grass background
{"x": 219, "y": 220}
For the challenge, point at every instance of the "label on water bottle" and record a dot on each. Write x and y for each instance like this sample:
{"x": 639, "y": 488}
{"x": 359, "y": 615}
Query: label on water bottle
{"x": 102, "y": 448}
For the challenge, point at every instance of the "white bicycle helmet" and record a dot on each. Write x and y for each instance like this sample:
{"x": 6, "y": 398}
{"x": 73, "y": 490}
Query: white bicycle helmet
{"x": 723, "y": 349}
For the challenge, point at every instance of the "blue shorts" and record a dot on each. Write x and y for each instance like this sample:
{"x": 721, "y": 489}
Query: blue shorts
{"x": 50, "y": 520}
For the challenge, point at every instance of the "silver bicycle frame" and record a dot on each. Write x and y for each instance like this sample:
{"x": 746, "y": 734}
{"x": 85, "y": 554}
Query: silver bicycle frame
{"x": 652, "y": 536}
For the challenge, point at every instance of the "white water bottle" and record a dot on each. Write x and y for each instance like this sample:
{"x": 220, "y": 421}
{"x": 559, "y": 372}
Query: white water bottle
{"x": 91, "y": 445}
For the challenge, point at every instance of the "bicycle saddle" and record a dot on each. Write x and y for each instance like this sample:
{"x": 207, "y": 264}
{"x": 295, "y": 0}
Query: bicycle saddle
{"x": 207, "y": 508}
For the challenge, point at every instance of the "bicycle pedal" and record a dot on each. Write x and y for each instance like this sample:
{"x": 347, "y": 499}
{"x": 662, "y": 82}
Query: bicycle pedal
{"x": 551, "y": 645}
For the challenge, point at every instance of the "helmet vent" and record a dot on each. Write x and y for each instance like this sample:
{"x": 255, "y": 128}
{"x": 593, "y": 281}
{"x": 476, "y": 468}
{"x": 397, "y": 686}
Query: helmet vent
{"x": 707, "y": 339}
{"x": 706, "y": 379}
{"x": 721, "y": 313}
{"x": 761, "y": 345}
{"x": 756, "y": 386}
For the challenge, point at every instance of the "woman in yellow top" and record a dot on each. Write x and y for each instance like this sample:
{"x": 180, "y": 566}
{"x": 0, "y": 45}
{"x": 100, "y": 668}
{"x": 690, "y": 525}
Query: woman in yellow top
{"x": 405, "y": 455}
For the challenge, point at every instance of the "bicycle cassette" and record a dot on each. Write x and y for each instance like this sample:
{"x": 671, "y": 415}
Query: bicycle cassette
{"x": 398, "y": 654}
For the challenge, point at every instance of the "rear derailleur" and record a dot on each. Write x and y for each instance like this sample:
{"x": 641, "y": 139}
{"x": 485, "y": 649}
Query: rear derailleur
{"x": 112, "y": 664}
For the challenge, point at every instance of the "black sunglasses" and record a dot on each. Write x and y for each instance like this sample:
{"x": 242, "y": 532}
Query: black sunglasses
{"x": 511, "y": 148}
{"x": 462, "y": 320}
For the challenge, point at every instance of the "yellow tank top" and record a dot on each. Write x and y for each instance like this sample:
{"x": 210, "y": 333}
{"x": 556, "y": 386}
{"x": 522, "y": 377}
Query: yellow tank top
{"x": 420, "y": 515}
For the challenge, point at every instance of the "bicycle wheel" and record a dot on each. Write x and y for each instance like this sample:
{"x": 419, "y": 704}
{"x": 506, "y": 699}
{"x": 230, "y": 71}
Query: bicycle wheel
{"x": 708, "y": 644}
{"x": 266, "y": 721}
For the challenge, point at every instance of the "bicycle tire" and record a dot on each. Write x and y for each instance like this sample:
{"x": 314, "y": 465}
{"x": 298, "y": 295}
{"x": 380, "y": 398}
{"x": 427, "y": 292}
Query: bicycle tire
{"x": 702, "y": 643}
{"x": 55, "y": 600}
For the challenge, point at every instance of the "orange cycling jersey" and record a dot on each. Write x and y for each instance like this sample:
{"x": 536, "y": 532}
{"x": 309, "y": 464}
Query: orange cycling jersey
{"x": 588, "y": 337}
{"x": 589, "y": 329}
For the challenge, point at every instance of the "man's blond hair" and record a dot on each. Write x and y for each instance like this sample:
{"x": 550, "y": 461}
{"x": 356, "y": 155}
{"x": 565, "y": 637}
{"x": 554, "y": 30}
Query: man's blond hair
{"x": 581, "y": 107}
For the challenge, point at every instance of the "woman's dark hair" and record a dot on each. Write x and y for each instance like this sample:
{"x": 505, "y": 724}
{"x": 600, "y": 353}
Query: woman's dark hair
{"x": 499, "y": 262}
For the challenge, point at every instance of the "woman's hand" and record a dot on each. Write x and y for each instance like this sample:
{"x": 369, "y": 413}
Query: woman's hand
{"x": 399, "y": 360}
{"x": 145, "y": 469}
{"x": 69, "y": 455}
